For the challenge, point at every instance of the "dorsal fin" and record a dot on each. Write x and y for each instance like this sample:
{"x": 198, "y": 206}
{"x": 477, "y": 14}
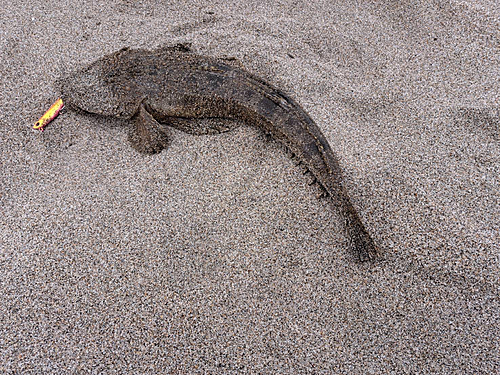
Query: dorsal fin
{"x": 180, "y": 47}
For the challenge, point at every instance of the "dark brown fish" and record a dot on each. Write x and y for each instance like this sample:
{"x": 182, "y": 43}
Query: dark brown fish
{"x": 172, "y": 86}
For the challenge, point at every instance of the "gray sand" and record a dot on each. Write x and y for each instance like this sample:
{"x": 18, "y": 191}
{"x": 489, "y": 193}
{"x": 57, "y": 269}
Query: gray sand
{"x": 215, "y": 256}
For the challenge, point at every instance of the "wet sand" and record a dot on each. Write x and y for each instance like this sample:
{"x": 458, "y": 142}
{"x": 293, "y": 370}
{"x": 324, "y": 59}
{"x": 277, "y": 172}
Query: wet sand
{"x": 215, "y": 256}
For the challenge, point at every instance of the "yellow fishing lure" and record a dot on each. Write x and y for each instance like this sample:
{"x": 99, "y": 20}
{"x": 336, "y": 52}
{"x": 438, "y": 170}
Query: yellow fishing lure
{"x": 48, "y": 116}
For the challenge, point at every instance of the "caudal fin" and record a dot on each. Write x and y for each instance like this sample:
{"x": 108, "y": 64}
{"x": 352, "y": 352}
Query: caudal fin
{"x": 362, "y": 243}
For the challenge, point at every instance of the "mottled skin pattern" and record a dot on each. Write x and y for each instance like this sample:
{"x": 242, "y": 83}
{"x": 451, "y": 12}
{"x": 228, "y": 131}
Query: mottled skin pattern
{"x": 172, "y": 86}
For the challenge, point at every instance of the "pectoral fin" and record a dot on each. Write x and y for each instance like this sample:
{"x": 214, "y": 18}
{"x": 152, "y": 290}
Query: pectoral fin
{"x": 147, "y": 135}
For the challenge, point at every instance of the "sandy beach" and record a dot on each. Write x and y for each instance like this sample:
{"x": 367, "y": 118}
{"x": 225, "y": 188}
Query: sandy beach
{"x": 216, "y": 256}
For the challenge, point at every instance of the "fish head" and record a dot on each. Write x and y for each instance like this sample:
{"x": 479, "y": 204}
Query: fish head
{"x": 105, "y": 87}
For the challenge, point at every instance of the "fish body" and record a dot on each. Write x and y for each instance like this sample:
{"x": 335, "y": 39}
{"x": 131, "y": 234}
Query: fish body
{"x": 172, "y": 86}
